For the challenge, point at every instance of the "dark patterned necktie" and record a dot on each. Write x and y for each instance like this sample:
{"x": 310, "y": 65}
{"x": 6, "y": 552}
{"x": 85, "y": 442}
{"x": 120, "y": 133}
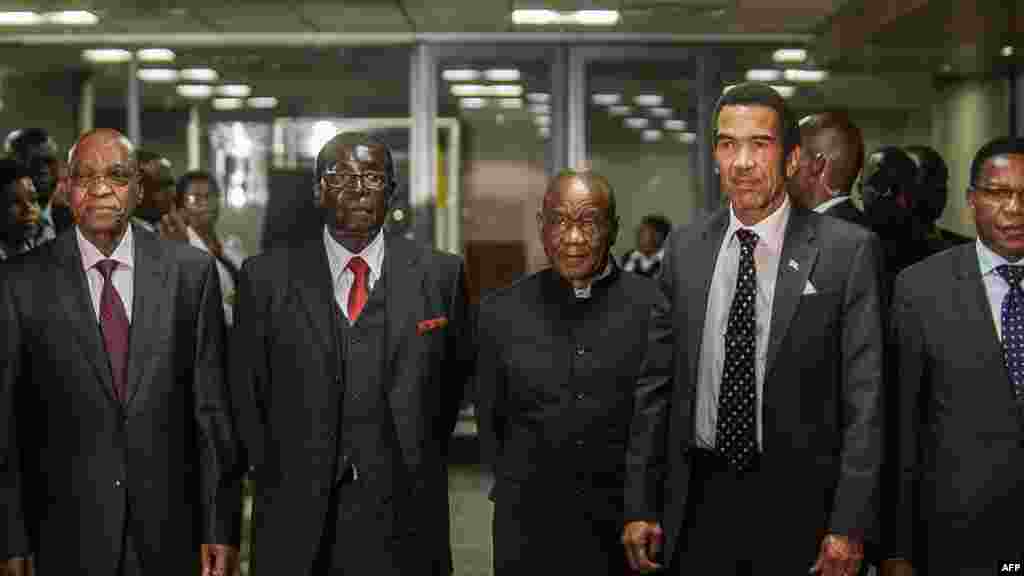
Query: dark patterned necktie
{"x": 114, "y": 325}
{"x": 1013, "y": 329}
{"x": 736, "y": 430}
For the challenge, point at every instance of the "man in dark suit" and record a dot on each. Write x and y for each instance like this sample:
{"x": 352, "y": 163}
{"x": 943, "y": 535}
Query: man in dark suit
{"x": 930, "y": 195}
{"x": 757, "y": 450}
{"x": 117, "y": 451}
{"x": 831, "y": 156}
{"x": 959, "y": 368}
{"x": 348, "y": 367}
{"x": 559, "y": 357}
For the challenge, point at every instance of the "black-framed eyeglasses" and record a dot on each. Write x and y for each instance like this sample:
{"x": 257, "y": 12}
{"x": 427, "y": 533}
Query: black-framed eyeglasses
{"x": 346, "y": 181}
{"x": 113, "y": 178}
{"x": 1000, "y": 194}
{"x": 589, "y": 225}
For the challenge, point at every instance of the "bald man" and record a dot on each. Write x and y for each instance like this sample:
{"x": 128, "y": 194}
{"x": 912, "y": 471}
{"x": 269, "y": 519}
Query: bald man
{"x": 117, "y": 451}
{"x": 560, "y": 354}
{"x": 833, "y": 155}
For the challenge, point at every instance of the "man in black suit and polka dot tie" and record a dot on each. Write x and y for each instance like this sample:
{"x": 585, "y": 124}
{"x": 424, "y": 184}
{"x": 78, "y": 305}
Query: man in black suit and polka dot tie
{"x": 758, "y": 447}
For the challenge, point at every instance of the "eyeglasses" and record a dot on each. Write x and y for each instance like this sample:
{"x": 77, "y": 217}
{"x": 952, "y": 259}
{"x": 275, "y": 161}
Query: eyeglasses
{"x": 347, "y": 181}
{"x": 588, "y": 225}
{"x": 999, "y": 195}
{"x": 114, "y": 178}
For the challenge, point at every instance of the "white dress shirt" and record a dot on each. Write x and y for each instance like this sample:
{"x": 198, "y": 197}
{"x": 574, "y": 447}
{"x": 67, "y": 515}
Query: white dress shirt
{"x": 231, "y": 248}
{"x": 122, "y": 277}
{"x": 767, "y": 252}
{"x": 995, "y": 287}
{"x": 338, "y": 257}
{"x": 821, "y": 208}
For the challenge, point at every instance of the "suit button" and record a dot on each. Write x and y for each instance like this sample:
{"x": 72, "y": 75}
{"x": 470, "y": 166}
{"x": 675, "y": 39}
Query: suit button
{"x": 580, "y": 395}
{"x": 580, "y": 351}
{"x": 355, "y": 340}
{"x": 117, "y": 483}
{"x": 579, "y": 443}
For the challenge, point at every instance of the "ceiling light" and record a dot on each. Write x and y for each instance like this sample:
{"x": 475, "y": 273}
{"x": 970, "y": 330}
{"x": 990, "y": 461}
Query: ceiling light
{"x": 594, "y": 17}
{"x": 648, "y": 100}
{"x": 460, "y": 75}
{"x": 1007, "y": 51}
{"x": 542, "y": 120}
{"x": 540, "y": 108}
{"x": 199, "y": 75}
{"x": 20, "y": 18}
{"x": 502, "y": 75}
{"x": 468, "y": 89}
{"x": 154, "y": 55}
{"x": 106, "y": 55}
{"x": 787, "y": 55}
{"x": 227, "y": 103}
{"x": 535, "y": 17}
{"x": 72, "y": 18}
{"x": 651, "y": 135}
{"x": 764, "y": 75}
{"x": 510, "y": 103}
{"x": 785, "y": 91}
{"x": 637, "y": 123}
{"x": 262, "y": 102}
{"x": 606, "y": 99}
{"x": 234, "y": 90}
{"x": 544, "y": 132}
{"x": 620, "y": 110}
{"x": 686, "y": 137}
{"x": 675, "y": 124}
{"x": 538, "y": 97}
{"x": 157, "y": 75}
{"x": 196, "y": 91}
{"x": 660, "y": 112}
{"x": 507, "y": 90}
{"x": 323, "y": 132}
{"x": 795, "y": 75}
{"x": 472, "y": 103}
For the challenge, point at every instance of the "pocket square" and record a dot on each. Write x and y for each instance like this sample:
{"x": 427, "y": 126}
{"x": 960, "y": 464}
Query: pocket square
{"x": 809, "y": 289}
{"x": 424, "y": 326}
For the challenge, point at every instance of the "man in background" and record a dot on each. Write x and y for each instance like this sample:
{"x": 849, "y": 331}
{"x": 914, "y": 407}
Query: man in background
{"x": 157, "y": 185}
{"x": 832, "y": 155}
{"x": 22, "y": 219}
{"x": 931, "y": 193}
{"x": 37, "y": 153}
{"x": 645, "y": 260}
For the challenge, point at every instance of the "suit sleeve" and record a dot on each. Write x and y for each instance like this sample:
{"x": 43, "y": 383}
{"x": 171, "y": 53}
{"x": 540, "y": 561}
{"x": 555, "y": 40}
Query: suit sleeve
{"x": 458, "y": 361}
{"x": 248, "y": 366}
{"x": 218, "y": 444}
{"x": 908, "y": 374}
{"x": 489, "y": 386}
{"x": 855, "y": 506}
{"x": 645, "y": 453}
{"x": 14, "y": 539}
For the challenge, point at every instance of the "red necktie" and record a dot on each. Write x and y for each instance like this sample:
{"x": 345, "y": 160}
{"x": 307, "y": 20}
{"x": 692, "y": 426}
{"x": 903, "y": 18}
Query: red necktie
{"x": 359, "y": 293}
{"x": 114, "y": 324}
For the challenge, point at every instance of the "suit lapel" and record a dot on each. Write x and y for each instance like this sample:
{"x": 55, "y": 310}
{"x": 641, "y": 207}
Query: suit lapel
{"x": 797, "y": 248}
{"x": 315, "y": 287}
{"x": 405, "y": 294}
{"x": 76, "y": 302}
{"x": 977, "y": 324}
{"x": 152, "y": 303}
{"x": 703, "y": 259}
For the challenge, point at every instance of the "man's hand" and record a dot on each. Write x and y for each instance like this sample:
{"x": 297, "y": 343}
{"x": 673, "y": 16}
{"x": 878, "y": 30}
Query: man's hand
{"x": 17, "y": 566}
{"x": 219, "y": 560}
{"x": 643, "y": 542}
{"x": 839, "y": 556}
{"x": 173, "y": 227}
{"x": 897, "y": 567}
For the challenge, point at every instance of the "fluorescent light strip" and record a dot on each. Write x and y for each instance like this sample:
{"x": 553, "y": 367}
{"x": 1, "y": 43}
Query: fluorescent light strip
{"x": 620, "y": 110}
{"x": 502, "y": 75}
{"x": 538, "y": 97}
{"x": 637, "y": 123}
{"x": 460, "y": 75}
{"x": 20, "y": 18}
{"x": 764, "y": 75}
{"x": 485, "y": 90}
{"x": 157, "y": 75}
{"x": 262, "y": 102}
{"x": 593, "y": 17}
{"x": 674, "y": 125}
{"x": 651, "y": 135}
{"x": 789, "y": 55}
{"x": 535, "y": 17}
{"x": 71, "y": 18}
{"x": 106, "y": 55}
{"x": 227, "y": 103}
{"x": 199, "y": 75}
{"x": 154, "y": 55}
{"x": 234, "y": 90}
{"x": 796, "y": 75}
{"x": 472, "y": 103}
{"x": 510, "y": 103}
{"x": 606, "y": 99}
{"x": 194, "y": 91}
{"x": 541, "y": 17}
{"x": 660, "y": 112}
{"x": 648, "y": 100}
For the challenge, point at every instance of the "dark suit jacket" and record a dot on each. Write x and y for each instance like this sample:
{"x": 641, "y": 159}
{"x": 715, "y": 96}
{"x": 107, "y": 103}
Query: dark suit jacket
{"x": 961, "y": 444}
{"x": 170, "y": 453}
{"x": 846, "y": 210}
{"x": 823, "y": 378}
{"x": 286, "y": 381}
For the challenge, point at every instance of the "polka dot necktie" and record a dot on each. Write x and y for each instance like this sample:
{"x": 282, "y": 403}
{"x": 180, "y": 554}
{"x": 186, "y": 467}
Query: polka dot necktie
{"x": 1013, "y": 329}
{"x": 736, "y": 432}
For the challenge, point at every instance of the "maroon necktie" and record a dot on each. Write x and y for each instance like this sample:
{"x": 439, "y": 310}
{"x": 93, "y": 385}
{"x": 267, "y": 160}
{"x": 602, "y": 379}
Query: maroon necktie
{"x": 358, "y": 293}
{"x": 114, "y": 324}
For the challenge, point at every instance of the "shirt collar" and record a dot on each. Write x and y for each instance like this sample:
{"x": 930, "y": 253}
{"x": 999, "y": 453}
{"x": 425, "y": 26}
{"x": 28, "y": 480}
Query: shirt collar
{"x": 769, "y": 231}
{"x": 988, "y": 260}
{"x": 338, "y": 256}
{"x": 584, "y": 292}
{"x": 124, "y": 253}
{"x": 821, "y": 208}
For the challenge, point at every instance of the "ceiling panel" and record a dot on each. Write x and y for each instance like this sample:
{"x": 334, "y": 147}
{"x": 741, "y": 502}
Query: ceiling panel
{"x": 459, "y": 15}
{"x": 355, "y": 16}
{"x": 253, "y": 17}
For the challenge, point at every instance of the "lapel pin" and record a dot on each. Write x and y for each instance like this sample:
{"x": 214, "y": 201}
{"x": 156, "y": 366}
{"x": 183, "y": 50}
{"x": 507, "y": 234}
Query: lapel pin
{"x": 793, "y": 264}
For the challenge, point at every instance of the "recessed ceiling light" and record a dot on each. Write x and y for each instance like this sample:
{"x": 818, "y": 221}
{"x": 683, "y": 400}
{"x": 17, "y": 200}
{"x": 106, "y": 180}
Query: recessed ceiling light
{"x": 20, "y": 18}
{"x": 234, "y": 90}
{"x": 535, "y": 17}
{"x": 651, "y": 135}
{"x": 483, "y": 90}
{"x": 468, "y": 90}
{"x": 789, "y": 55}
{"x": 540, "y": 108}
{"x": 660, "y": 112}
{"x": 106, "y": 55}
{"x": 795, "y": 75}
{"x": 594, "y": 17}
{"x": 507, "y": 90}
{"x": 648, "y": 100}
{"x": 199, "y": 75}
{"x": 460, "y": 75}
{"x": 154, "y": 55}
{"x": 157, "y": 75}
{"x": 502, "y": 74}
{"x": 620, "y": 110}
{"x": 510, "y": 103}
{"x": 675, "y": 125}
{"x": 687, "y": 137}
{"x": 227, "y": 103}
{"x": 1007, "y": 51}
{"x": 542, "y": 120}
{"x": 763, "y": 75}
{"x": 637, "y": 123}
{"x": 606, "y": 98}
{"x": 472, "y": 103}
{"x": 262, "y": 102}
{"x": 539, "y": 97}
{"x": 785, "y": 91}
{"x": 195, "y": 91}
{"x": 72, "y": 18}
